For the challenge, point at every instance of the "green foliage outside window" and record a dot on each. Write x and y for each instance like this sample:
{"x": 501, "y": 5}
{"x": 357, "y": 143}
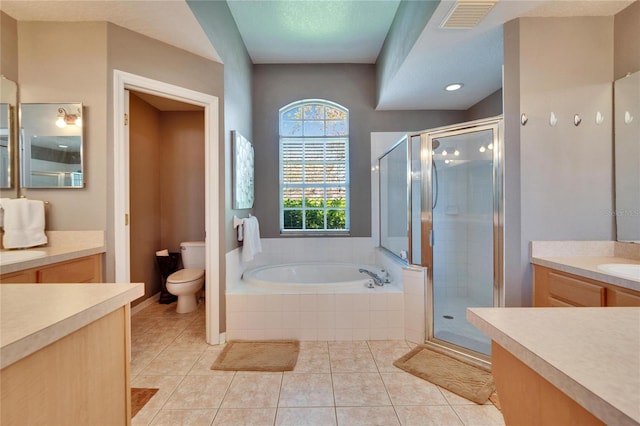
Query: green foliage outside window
{"x": 314, "y": 214}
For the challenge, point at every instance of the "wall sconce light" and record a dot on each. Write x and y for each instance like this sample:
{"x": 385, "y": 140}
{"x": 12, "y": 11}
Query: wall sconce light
{"x": 65, "y": 119}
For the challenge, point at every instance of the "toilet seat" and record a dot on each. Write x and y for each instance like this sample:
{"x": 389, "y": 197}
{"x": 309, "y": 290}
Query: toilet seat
{"x": 185, "y": 275}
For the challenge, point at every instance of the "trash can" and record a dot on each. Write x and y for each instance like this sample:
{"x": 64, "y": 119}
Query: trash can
{"x": 167, "y": 265}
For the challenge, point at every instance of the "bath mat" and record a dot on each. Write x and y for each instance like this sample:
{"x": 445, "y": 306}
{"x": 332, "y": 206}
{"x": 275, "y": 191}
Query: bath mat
{"x": 139, "y": 397}
{"x": 461, "y": 378}
{"x": 263, "y": 355}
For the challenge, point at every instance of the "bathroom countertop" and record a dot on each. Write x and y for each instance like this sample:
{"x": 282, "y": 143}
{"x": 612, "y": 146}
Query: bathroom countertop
{"x": 62, "y": 246}
{"x": 588, "y": 267}
{"x": 583, "y": 257}
{"x": 33, "y": 316}
{"x": 590, "y": 354}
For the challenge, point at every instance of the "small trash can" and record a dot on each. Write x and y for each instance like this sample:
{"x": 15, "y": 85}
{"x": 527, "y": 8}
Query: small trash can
{"x": 167, "y": 265}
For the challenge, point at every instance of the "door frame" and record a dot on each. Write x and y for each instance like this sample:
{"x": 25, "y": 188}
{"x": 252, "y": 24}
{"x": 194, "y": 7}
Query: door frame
{"x": 495, "y": 124}
{"x": 126, "y": 81}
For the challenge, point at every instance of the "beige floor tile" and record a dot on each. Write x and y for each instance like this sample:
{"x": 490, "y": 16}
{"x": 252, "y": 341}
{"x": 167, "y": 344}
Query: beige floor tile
{"x": 385, "y": 358}
{"x": 405, "y": 389}
{"x": 141, "y": 357}
{"x": 202, "y": 367}
{"x": 316, "y": 416}
{"x": 347, "y": 344}
{"x": 245, "y": 416}
{"x": 196, "y": 392}
{"x": 184, "y": 417}
{"x": 432, "y": 415}
{"x": 172, "y": 362}
{"x": 366, "y": 416}
{"x": 378, "y": 345}
{"x": 190, "y": 340}
{"x": 352, "y": 361}
{"x": 306, "y": 390}
{"x": 479, "y": 415}
{"x": 253, "y": 390}
{"x": 359, "y": 390}
{"x": 313, "y": 362}
{"x": 313, "y": 346}
{"x": 165, "y": 385}
{"x": 455, "y": 399}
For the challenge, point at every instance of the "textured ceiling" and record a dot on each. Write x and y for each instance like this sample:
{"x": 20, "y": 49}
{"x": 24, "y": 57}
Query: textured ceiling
{"x": 335, "y": 31}
{"x": 313, "y": 31}
{"x": 170, "y": 21}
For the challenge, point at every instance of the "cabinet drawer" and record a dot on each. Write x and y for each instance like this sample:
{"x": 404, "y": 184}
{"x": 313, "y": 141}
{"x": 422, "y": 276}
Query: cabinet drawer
{"x": 621, "y": 298}
{"x": 83, "y": 270}
{"x": 575, "y": 292}
{"x": 22, "y": 277}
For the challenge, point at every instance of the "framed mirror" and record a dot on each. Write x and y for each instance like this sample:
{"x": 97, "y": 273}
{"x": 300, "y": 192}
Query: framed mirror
{"x": 51, "y": 145}
{"x": 627, "y": 157}
{"x": 8, "y": 98}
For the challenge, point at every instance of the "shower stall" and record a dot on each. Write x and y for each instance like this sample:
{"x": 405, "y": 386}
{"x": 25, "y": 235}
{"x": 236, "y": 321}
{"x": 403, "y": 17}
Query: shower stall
{"x": 441, "y": 208}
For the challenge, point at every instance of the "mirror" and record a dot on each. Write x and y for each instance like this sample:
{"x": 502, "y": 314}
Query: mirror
{"x": 8, "y": 99}
{"x": 51, "y": 145}
{"x": 627, "y": 157}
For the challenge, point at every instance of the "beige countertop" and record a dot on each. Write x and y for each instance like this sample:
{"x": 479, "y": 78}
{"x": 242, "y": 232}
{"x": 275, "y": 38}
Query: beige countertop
{"x": 62, "y": 246}
{"x": 583, "y": 257}
{"x": 33, "y": 316}
{"x": 590, "y": 354}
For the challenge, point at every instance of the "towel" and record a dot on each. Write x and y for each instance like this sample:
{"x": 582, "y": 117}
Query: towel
{"x": 2, "y": 201}
{"x": 251, "y": 245}
{"x": 23, "y": 223}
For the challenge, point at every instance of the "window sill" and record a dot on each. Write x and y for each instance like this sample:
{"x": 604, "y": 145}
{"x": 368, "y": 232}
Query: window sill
{"x": 298, "y": 234}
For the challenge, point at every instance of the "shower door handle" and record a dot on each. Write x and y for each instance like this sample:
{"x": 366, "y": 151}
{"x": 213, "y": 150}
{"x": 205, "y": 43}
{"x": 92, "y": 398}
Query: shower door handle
{"x": 431, "y": 237}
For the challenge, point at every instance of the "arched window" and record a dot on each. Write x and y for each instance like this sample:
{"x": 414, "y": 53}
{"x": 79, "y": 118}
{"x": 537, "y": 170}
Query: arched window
{"x": 314, "y": 167}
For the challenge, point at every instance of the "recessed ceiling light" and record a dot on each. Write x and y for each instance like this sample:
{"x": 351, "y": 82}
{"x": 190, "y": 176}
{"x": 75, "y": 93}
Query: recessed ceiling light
{"x": 453, "y": 87}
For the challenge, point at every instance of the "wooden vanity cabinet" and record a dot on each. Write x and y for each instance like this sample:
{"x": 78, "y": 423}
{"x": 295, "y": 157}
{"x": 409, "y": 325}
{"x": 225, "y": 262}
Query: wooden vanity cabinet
{"x": 552, "y": 287}
{"x": 86, "y": 269}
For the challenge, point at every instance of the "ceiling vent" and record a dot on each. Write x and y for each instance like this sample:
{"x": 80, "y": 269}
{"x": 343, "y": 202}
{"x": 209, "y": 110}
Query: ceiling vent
{"x": 467, "y": 14}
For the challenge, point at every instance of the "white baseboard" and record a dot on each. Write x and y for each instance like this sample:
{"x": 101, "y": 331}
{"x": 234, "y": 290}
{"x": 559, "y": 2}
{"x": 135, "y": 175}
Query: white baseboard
{"x": 148, "y": 302}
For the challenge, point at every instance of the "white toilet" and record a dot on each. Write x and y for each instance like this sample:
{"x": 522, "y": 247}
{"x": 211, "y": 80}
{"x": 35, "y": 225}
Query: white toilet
{"x": 187, "y": 283}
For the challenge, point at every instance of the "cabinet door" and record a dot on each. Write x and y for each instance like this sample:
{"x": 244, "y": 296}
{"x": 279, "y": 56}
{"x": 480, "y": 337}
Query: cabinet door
{"x": 83, "y": 270}
{"x": 617, "y": 297}
{"x": 28, "y": 276}
{"x": 575, "y": 292}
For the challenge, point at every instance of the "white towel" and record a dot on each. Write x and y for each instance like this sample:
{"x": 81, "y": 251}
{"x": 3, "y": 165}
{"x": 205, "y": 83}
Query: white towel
{"x": 23, "y": 223}
{"x": 2, "y": 201}
{"x": 252, "y": 245}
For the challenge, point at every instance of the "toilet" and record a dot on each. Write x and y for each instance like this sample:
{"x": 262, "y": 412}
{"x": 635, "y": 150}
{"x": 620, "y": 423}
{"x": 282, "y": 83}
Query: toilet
{"x": 187, "y": 283}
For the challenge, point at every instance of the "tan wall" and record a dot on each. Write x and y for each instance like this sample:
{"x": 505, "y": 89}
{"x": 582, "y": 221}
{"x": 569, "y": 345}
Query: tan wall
{"x": 182, "y": 178}
{"x": 145, "y": 191}
{"x": 49, "y": 73}
{"x": 626, "y": 45}
{"x": 8, "y": 47}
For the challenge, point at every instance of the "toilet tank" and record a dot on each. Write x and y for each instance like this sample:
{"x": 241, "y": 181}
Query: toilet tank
{"x": 193, "y": 254}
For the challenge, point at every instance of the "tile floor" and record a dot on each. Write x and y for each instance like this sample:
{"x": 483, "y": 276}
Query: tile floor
{"x": 334, "y": 383}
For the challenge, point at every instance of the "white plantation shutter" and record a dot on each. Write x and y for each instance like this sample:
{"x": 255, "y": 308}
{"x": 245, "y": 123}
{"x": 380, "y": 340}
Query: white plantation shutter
{"x": 314, "y": 167}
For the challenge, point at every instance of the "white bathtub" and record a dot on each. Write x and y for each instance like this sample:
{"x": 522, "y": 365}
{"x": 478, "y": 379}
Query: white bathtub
{"x": 312, "y": 277}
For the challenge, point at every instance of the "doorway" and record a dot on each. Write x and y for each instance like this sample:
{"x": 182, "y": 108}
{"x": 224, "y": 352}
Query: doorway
{"x": 122, "y": 83}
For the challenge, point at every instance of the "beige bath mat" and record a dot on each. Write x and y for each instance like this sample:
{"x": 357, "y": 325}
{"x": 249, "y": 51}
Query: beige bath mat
{"x": 267, "y": 355}
{"x": 452, "y": 374}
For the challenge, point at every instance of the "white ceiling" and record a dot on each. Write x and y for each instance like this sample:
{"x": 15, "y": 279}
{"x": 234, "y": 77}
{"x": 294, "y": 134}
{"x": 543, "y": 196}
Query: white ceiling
{"x": 336, "y": 31}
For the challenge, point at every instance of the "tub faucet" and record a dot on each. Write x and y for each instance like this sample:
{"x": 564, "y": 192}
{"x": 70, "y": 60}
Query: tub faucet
{"x": 376, "y": 279}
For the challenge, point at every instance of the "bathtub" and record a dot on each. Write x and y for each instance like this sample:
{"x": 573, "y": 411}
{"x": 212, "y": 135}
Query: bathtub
{"x": 314, "y": 301}
{"x": 313, "y": 277}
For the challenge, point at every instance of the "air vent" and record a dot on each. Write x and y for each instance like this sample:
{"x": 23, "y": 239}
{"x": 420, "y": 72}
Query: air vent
{"x": 467, "y": 14}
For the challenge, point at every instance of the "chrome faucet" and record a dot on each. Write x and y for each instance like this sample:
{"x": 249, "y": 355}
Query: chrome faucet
{"x": 376, "y": 278}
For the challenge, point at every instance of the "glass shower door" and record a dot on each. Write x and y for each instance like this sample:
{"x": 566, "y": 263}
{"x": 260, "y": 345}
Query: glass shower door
{"x": 463, "y": 250}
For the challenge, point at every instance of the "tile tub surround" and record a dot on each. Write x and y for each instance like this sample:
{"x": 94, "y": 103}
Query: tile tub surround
{"x": 62, "y": 246}
{"x": 583, "y": 257}
{"x": 35, "y": 315}
{"x": 590, "y": 354}
{"x": 391, "y": 312}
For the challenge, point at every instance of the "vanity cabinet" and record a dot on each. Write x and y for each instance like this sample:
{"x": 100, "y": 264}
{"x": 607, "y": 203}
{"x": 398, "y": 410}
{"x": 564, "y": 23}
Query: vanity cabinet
{"x": 552, "y": 287}
{"x": 86, "y": 269}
